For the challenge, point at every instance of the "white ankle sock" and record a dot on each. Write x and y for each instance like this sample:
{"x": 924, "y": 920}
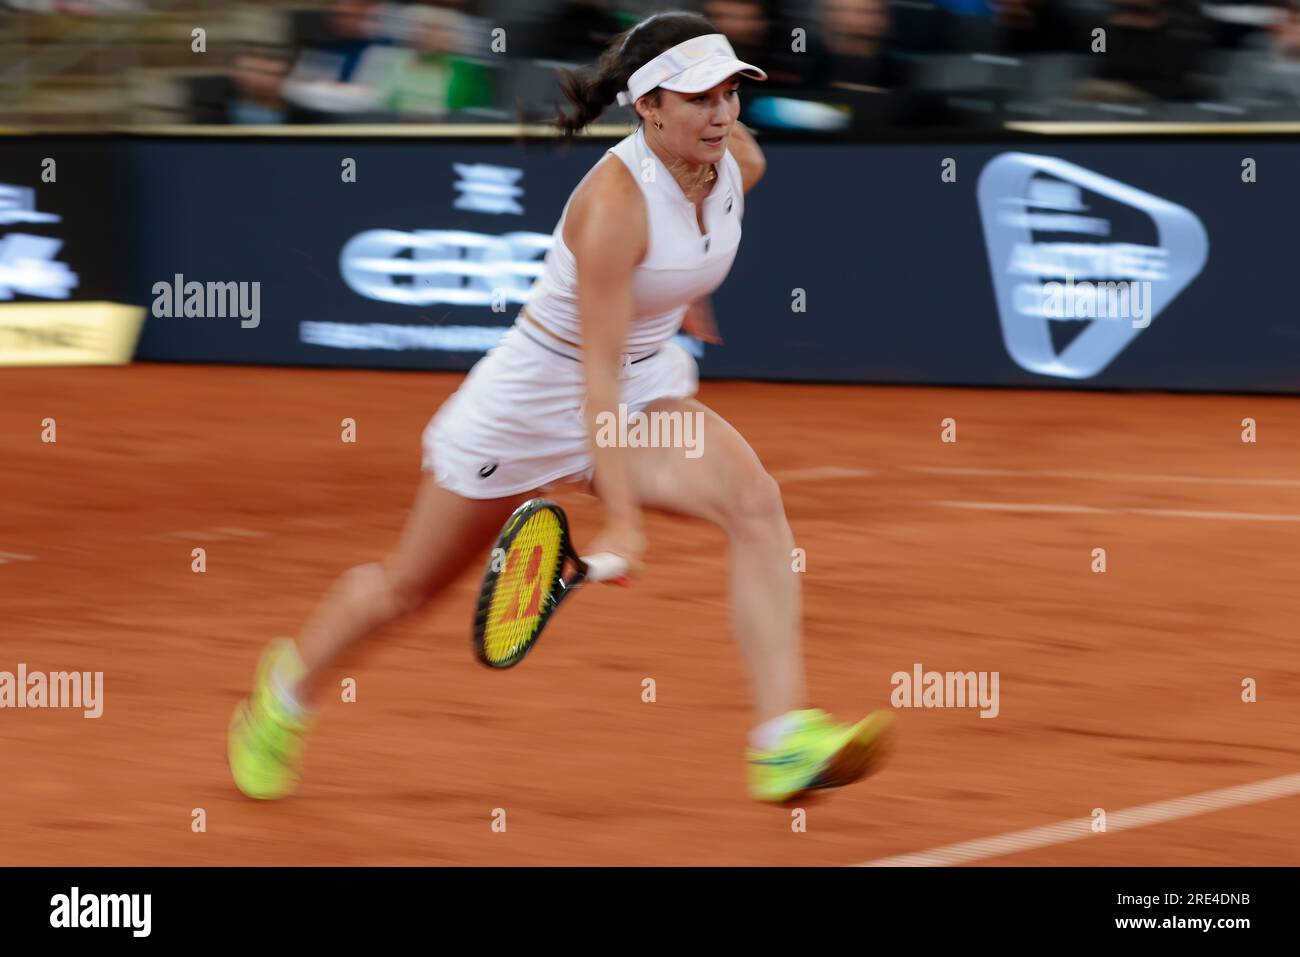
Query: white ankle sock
{"x": 284, "y": 694}
{"x": 769, "y": 734}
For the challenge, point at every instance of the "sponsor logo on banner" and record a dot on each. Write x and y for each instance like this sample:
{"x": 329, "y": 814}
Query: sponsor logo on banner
{"x": 1055, "y": 259}
{"x": 456, "y": 267}
{"x": 485, "y": 188}
{"x": 68, "y": 333}
{"x": 425, "y": 267}
{"x": 27, "y": 263}
{"x": 430, "y": 266}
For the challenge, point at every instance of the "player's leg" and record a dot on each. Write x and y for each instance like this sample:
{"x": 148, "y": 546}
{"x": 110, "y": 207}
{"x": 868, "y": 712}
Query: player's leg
{"x": 728, "y": 486}
{"x": 444, "y": 534}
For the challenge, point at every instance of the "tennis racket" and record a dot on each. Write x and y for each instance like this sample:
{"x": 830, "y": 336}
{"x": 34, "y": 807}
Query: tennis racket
{"x": 525, "y": 581}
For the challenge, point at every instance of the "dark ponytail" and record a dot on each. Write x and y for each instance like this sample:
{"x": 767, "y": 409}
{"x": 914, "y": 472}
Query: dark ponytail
{"x": 594, "y": 89}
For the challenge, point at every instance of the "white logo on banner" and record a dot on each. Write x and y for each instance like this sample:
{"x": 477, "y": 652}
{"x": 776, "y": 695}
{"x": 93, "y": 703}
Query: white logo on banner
{"x": 488, "y": 189}
{"x": 27, "y": 263}
{"x": 1038, "y": 282}
{"x": 18, "y": 205}
{"x": 429, "y": 266}
{"x": 425, "y": 267}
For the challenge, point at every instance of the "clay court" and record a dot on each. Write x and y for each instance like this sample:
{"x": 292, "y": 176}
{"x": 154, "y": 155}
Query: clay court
{"x": 1117, "y": 690}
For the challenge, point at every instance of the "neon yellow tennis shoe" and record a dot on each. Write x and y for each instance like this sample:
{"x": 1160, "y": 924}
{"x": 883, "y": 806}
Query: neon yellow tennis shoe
{"x": 818, "y": 753}
{"x": 266, "y": 741}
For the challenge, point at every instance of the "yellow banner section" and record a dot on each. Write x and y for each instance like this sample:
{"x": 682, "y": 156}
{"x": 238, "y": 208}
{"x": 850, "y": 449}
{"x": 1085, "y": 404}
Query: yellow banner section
{"x": 68, "y": 333}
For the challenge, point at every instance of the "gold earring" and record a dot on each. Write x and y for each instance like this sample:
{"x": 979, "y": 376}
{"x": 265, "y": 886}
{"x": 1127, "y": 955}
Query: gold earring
{"x": 659, "y": 124}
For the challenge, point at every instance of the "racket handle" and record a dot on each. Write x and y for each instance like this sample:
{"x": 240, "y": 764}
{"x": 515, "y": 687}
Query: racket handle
{"x": 605, "y": 566}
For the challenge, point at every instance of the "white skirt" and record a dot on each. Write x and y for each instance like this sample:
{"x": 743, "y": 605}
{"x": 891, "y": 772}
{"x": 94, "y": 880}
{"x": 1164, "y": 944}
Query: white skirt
{"x": 516, "y": 422}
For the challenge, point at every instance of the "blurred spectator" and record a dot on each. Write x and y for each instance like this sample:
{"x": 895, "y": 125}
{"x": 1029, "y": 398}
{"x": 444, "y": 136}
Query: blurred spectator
{"x": 938, "y": 26}
{"x": 76, "y": 7}
{"x": 982, "y": 9}
{"x": 1037, "y": 26}
{"x": 1285, "y": 38}
{"x": 852, "y": 80}
{"x": 1243, "y": 24}
{"x": 1155, "y": 50}
{"x": 473, "y": 29}
{"x": 866, "y": 64}
{"x": 849, "y": 51}
{"x": 327, "y": 80}
{"x": 431, "y": 80}
{"x": 334, "y": 41}
{"x": 256, "y": 77}
{"x": 1274, "y": 73}
{"x": 746, "y": 26}
{"x": 578, "y": 32}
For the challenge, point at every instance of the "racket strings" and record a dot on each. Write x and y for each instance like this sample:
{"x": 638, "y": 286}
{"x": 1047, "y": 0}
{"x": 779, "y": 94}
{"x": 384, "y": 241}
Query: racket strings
{"x": 523, "y": 591}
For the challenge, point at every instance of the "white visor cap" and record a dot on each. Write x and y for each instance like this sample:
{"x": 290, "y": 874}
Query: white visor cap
{"x": 693, "y": 66}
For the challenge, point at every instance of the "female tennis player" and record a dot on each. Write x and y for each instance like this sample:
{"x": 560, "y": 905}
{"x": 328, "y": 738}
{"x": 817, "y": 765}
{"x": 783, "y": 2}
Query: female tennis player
{"x": 648, "y": 233}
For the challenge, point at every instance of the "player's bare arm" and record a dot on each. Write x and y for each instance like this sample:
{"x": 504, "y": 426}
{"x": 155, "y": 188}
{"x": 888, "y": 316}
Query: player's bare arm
{"x": 749, "y": 157}
{"x": 609, "y": 240}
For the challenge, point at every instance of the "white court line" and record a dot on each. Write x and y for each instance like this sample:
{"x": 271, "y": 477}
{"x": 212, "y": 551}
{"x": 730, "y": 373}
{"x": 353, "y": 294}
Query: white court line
{"x": 1226, "y": 516}
{"x": 1027, "y": 507}
{"x": 239, "y": 532}
{"x": 212, "y": 534}
{"x": 1063, "y": 832}
{"x": 1107, "y": 476}
{"x": 15, "y": 557}
{"x": 1088, "y": 509}
{"x": 820, "y": 473}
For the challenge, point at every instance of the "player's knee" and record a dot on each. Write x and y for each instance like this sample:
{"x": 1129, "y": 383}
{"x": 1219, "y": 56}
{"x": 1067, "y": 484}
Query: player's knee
{"x": 406, "y": 594}
{"x": 755, "y": 503}
{"x": 380, "y": 594}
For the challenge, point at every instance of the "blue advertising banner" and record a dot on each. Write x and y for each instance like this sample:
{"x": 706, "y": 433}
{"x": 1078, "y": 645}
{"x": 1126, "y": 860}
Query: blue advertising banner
{"x": 1048, "y": 263}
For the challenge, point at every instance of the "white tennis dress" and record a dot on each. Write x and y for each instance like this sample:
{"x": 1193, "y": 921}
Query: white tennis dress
{"x": 516, "y": 422}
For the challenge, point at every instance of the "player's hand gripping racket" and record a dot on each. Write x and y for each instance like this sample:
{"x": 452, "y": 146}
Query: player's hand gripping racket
{"x": 525, "y": 581}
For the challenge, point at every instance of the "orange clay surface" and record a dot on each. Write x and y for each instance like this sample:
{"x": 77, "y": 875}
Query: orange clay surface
{"x": 1116, "y": 689}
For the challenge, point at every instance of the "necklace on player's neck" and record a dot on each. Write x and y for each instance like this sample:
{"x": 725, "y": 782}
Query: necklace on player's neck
{"x": 692, "y": 187}
{"x": 701, "y": 184}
